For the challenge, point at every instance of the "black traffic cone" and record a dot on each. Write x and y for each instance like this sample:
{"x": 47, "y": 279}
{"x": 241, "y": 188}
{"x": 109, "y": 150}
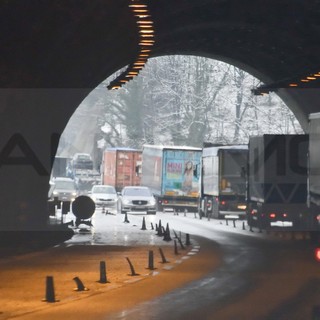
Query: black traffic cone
{"x": 126, "y": 218}
{"x": 160, "y": 233}
{"x": 133, "y": 273}
{"x": 167, "y": 236}
{"x": 181, "y": 244}
{"x": 175, "y": 248}
{"x": 151, "y": 261}
{"x": 50, "y": 295}
{"x": 188, "y": 243}
{"x": 143, "y": 224}
{"x": 80, "y": 286}
{"x": 103, "y": 273}
{"x": 164, "y": 260}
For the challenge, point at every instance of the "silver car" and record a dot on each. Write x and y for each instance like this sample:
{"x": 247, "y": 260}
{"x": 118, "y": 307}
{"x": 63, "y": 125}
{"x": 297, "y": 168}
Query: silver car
{"x": 137, "y": 199}
{"x": 105, "y": 196}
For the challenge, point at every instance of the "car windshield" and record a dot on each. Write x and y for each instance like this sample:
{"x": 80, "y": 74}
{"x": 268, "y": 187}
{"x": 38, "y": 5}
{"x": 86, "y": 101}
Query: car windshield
{"x": 67, "y": 185}
{"x": 109, "y": 190}
{"x": 137, "y": 192}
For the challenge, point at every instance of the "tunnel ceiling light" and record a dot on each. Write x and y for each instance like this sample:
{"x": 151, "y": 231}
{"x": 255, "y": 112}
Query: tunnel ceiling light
{"x": 311, "y": 80}
{"x": 140, "y": 11}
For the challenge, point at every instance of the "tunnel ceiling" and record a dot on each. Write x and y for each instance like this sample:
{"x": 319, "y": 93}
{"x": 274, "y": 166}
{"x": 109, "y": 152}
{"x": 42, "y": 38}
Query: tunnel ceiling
{"x": 79, "y": 43}
{"x": 55, "y": 41}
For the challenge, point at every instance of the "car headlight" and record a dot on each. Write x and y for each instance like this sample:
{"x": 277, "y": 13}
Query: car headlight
{"x": 152, "y": 202}
{"x": 126, "y": 201}
{"x": 55, "y": 193}
{"x": 74, "y": 194}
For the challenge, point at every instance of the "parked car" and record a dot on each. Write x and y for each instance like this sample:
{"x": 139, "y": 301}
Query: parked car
{"x": 104, "y": 195}
{"x": 63, "y": 189}
{"x": 137, "y": 199}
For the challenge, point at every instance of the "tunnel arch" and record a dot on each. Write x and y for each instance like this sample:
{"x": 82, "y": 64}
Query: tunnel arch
{"x": 55, "y": 52}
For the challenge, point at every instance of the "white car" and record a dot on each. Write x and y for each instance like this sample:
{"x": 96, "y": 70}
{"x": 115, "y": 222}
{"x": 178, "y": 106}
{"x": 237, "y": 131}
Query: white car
{"x": 137, "y": 199}
{"x": 105, "y": 196}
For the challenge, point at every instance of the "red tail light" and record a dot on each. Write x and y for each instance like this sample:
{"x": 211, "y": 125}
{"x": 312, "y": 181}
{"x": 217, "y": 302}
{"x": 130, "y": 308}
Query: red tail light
{"x": 272, "y": 215}
{"x": 165, "y": 201}
{"x": 317, "y": 254}
{"x": 285, "y": 215}
{"x": 223, "y": 202}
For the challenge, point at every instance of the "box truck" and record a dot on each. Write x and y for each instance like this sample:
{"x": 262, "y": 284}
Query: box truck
{"x": 172, "y": 173}
{"x": 223, "y": 181}
{"x": 277, "y": 181}
{"x": 121, "y": 167}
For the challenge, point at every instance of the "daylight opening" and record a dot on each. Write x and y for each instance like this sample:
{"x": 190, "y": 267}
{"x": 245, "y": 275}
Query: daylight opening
{"x": 176, "y": 100}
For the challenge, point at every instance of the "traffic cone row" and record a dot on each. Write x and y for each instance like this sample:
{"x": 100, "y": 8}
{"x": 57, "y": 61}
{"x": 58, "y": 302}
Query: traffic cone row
{"x": 50, "y": 292}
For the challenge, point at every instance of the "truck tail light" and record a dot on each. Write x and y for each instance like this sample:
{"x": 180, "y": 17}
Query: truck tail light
{"x": 272, "y": 215}
{"x": 317, "y": 254}
{"x": 223, "y": 202}
{"x": 285, "y": 215}
{"x": 165, "y": 201}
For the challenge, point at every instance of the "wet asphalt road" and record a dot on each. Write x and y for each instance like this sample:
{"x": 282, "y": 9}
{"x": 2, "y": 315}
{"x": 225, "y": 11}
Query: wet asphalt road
{"x": 246, "y": 257}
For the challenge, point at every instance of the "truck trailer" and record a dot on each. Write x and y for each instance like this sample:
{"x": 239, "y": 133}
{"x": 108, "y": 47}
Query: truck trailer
{"x": 172, "y": 173}
{"x": 314, "y": 171}
{"x": 277, "y": 181}
{"x": 121, "y": 167}
{"x": 223, "y": 181}
{"x": 60, "y": 165}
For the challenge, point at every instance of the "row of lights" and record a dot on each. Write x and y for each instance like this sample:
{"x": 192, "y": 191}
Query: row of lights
{"x": 303, "y": 82}
{"x": 309, "y": 78}
{"x": 146, "y": 41}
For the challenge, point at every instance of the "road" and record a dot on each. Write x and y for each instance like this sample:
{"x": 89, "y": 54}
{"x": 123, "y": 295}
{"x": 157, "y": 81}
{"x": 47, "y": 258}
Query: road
{"x": 263, "y": 276}
{"x": 260, "y": 276}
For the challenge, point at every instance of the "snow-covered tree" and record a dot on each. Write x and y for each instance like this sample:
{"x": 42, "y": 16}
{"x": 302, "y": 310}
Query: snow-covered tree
{"x": 186, "y": 100}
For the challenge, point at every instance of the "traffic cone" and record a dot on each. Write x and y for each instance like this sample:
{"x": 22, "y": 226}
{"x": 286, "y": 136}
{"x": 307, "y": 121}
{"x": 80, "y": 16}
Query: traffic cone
{"x": 181, "y": 244}
{"x": 160, "y": 233}
{"x": 167, "y": 236}
{"x": 151, "y": 261}
{"x": 188, "y": 243}
{"x": 143, "y": 224}
{"x": 103, "y": 273}
{"x": 133, "y": 273}
{"x": 175, "y": 248}
{"x": 50, "y": 295}
{"x": 126, "y": 218}
{"x": 164, "y": 260}
{"x": 80, "y": 286}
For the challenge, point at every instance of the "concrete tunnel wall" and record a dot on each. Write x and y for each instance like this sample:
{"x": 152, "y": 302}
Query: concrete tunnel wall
{"x": 32, "y": 121}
